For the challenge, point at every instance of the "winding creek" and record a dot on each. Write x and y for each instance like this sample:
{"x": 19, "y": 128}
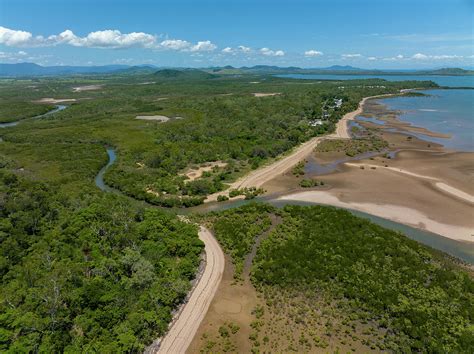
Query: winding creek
{"x": 55, "y": 110}
{"x": 459, "y": 249}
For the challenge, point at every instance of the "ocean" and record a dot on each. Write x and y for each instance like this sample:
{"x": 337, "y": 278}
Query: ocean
{"x": 443, "y": 111}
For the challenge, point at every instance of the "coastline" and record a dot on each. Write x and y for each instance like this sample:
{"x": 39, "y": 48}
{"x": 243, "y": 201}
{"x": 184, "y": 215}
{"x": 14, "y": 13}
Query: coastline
{"x": 424, "y": 185}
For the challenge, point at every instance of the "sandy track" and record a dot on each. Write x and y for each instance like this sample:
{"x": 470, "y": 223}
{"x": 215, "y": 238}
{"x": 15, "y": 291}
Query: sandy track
{"x": 262, "y": 175}
{"x": 189, "y": 318}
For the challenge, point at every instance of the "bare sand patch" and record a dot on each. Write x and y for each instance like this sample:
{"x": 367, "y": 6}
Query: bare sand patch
{"x": 50, "y": 100}
{"x": 195, "y": 173}
{"x": 223, "y": 306}
{"x": 263, "y": 94}
{"x": 87, "y": 88}
{"x": 161, "y": 119}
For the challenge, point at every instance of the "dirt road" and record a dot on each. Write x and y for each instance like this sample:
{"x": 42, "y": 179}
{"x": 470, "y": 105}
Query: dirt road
{"x": 262, "y": 175}
{"x": 188, "y": 320}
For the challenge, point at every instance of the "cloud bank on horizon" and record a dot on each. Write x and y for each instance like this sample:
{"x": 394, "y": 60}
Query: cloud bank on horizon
{"x": 116, "y": 40}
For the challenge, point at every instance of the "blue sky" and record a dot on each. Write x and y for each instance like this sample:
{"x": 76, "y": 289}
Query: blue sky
{"x": 363, "y": 33}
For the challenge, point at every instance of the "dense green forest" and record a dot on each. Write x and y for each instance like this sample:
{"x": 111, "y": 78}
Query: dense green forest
{"x": 83, "y": 270}
{"x": 327, "y": 275}
{"x": 93, "y": 274}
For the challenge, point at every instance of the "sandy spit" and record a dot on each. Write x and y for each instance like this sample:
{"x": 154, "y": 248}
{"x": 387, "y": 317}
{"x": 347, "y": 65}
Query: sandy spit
{"x": 342, "y": 129}
{"x": 392, "y": 212}
{"x": 262, "y": 175}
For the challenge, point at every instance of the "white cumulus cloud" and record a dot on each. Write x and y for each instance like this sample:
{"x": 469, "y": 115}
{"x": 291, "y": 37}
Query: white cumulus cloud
{"x": 351, "y": 56}
{"x": 113, "y": 39}
{"x": 239, "y": 49}
{"x": 244, "y": 49}
{"x": 14, "y": 38}
{"x": 419, "y": 56}
{"x": 272, "y": 53}
{"x": 313, "y": 53}
{"x": 175, "y": 44}
{"x": 204, "y": 46}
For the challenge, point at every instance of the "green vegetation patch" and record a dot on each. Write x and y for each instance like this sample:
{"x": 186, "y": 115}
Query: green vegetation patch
{"x": 353, "y": 147}
{"x": 236, "y": 230}
{"x": 11, "y": 111}
{"x": 414, "y": 296}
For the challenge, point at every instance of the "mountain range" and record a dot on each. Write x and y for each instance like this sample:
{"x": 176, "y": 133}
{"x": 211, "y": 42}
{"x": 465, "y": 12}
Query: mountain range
{"x": 31, "y": 69}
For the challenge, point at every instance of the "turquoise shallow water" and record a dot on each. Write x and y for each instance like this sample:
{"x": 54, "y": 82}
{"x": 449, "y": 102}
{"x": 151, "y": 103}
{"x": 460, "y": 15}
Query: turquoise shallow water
{"x": 443, "y": 111}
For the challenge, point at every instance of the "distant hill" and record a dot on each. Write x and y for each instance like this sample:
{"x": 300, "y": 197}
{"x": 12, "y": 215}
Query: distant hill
{"x": 137, "y": 70}
{"x": 449, "y": 71}
{"x": 342, "y": 68}
{"x": 183, "y": 73}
